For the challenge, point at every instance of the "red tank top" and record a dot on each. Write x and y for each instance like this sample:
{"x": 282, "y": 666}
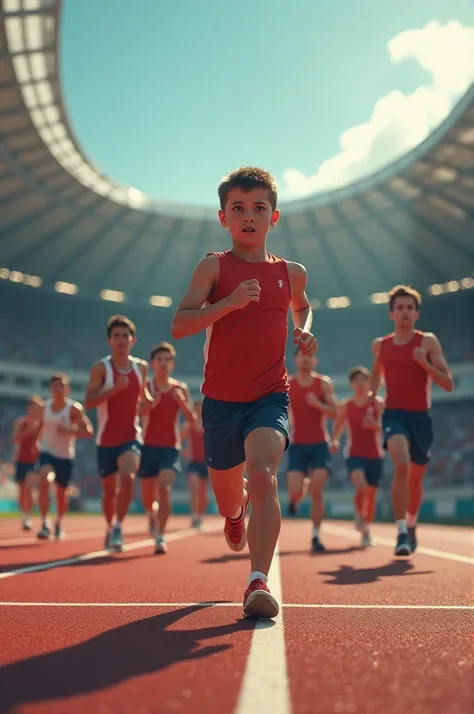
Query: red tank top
{"x": 361, "y": 442}
{"x": 407, "y": 384}
{"x": 196, "y": 442}
{"x": 27, "y": 450}
{"x": 309, "y": 424}
{"x": 160, "y": 426}
{"x": 118, "y": 421}
{"x": 245, "y": 350}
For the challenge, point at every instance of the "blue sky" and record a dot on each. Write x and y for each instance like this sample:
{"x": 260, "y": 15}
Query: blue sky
{"x": 169, "y": 96}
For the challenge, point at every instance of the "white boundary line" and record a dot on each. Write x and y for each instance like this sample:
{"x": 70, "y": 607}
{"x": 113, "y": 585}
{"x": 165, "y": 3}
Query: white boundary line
{"x": 265, "y": 687}
{"x": 380, "y": 540}
{"x": 177, "y": 535}
{"x": 260, "y": 624}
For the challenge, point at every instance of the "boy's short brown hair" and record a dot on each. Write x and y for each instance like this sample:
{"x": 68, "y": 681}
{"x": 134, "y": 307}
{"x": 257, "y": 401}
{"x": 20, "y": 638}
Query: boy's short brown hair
{"x": 59, "y": 377}
{"x": 246, "y": 178}
{"x": 162, "y": 347}
{"x": 120, "y": 321}
{"x": 403, "y": 291}
{"x": 355, "y": 371}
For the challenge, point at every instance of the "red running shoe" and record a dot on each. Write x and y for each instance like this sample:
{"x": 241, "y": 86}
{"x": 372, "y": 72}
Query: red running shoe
{"x": 259, "y": 602}
{"x": 235, "y": 530}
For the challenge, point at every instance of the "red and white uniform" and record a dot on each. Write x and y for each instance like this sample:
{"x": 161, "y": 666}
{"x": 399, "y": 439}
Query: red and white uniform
{"x": 245, "y": 350}
{"x": 118, "y": 420}
{"x": 361, "y": 442}
{"x": 407, "y": 384}
{"x": 196, "y": 442}
{"x": 309, "y": 425}
{"x": 26, "y": 451}
{"x": 161, "y": 426}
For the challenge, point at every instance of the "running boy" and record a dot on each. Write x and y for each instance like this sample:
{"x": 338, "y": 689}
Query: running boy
{"x": 241, "y": 298}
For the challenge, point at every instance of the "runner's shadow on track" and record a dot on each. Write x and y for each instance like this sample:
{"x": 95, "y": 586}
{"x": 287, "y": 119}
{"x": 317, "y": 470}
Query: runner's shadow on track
{"x": 233, "y": 557}
{"x": 348, "y": 575}
{"x": 141, "y": 647}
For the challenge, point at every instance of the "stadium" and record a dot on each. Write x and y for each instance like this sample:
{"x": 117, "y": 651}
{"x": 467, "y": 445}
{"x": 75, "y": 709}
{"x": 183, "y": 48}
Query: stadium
{"x": 76, "y": 246}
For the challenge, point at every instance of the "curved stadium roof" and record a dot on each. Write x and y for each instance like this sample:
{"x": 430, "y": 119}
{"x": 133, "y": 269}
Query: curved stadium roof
{"x": 65, "y": 223}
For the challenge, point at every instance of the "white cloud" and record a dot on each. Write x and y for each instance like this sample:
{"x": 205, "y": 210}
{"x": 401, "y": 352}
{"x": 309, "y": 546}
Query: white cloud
{"x": 399, "y": 121}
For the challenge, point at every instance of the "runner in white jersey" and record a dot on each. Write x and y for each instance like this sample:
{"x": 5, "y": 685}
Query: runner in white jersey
{"x": 64, "y": 421}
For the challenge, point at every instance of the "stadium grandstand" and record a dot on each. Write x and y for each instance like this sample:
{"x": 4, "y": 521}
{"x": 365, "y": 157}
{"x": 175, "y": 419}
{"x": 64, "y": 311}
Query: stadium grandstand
{"x": 77, "y": 246}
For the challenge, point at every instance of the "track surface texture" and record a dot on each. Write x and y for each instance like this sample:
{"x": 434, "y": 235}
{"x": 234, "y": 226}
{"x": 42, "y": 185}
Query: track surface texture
{"x": 359, "y": 631}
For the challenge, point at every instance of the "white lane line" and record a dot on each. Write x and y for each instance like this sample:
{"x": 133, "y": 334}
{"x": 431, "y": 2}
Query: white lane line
{"x": 265, "y": 686}
{"x": 379, "y": 540}
{"x": 203, "y": 605}
{"x": 178, "y": 535}
{"x": 75, "y": 535}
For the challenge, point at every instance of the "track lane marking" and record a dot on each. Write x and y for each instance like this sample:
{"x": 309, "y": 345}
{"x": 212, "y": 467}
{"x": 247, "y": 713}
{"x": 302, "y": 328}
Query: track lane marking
{"x": 380, "y": 540}
{"x": 137, "y": 545}
{"x": 287, "y": 605}
{"x": 265, "y": 687}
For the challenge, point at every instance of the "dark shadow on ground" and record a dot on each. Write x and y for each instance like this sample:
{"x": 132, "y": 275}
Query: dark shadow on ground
{"x": 112, "y": 657}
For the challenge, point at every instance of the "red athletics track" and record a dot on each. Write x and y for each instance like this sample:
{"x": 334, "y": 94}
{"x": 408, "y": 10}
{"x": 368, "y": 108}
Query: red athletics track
{"x": 132, "y": 633}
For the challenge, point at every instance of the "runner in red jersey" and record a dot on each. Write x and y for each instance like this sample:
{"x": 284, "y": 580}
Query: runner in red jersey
{"x": 162, "y": 440}
{"x": 362, "y": 417}
{"x": 116, "y": 386}
{"x": 25, "y": 435}
{"x": 192, "y": 435}
{"x": 312, "y": 401}
{"x": 409, "y": 360}
{"x": 241, "y": 298}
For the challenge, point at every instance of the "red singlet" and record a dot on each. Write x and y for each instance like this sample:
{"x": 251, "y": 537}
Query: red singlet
{"x": 160, "y": 426}
{"x": 118, "y": 421}
{"x": 361, "y": 442}
{"x": 309, "y": 423}
{"x": 245, "y": 350}
{"x": 26, "y": 451}
{"x": 407, "y": 384}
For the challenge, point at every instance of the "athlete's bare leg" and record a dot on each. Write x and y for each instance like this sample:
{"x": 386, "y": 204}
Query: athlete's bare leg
{"x": 398, "y": 449}
{"x": 61, "y": 502}
{"x": 229, "y": 490}
{"x": 360, "y": 484}
{"x": 297, "y": 486}
{"x": 317, "y": 482}
{"x": 44, "y": 476}
{"x": 415, "y": 481}
{"x": 370, "y": 504}
{"x": 264, "y": 448}
{"x": 25, "y": 498}
{"x": 165, "y": 480}
{"x": 109, "y": 504}
{"x": 149, "y": 489}
{"x": 128, "y": 464}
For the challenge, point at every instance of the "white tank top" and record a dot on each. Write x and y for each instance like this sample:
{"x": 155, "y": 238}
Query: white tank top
{"x": 63, "y": 446}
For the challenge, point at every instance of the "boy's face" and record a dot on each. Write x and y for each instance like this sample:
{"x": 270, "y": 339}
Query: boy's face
{"x": 121, "y": 341}
{"x": 404, "y": 313}
{"x": 34, "y": 411}
{"x": 360, "y": 385}
{"x": 163, "y": 364}
{"x": 249, "y": 216}
{"x": 305, "y": 363}
{"x": 59, "y": 389}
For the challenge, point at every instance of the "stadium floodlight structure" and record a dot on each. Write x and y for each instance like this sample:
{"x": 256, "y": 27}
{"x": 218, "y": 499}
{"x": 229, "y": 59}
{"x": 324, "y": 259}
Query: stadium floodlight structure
{"x": 67, "y": 226}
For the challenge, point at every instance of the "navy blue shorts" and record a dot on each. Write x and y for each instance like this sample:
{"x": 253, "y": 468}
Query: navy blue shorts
{"x": 108, "y": 456}
{"x": 227, "y": 425}
{"x": 22, "y": 469}
{"x": 372, "y": 468}
{"x": 415, "y": 426}
{"x": 307, "y": 457}
{"x": 156, "y": 459}
{"x": 199, "y": 468}
{"x": 62, "y": 467}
